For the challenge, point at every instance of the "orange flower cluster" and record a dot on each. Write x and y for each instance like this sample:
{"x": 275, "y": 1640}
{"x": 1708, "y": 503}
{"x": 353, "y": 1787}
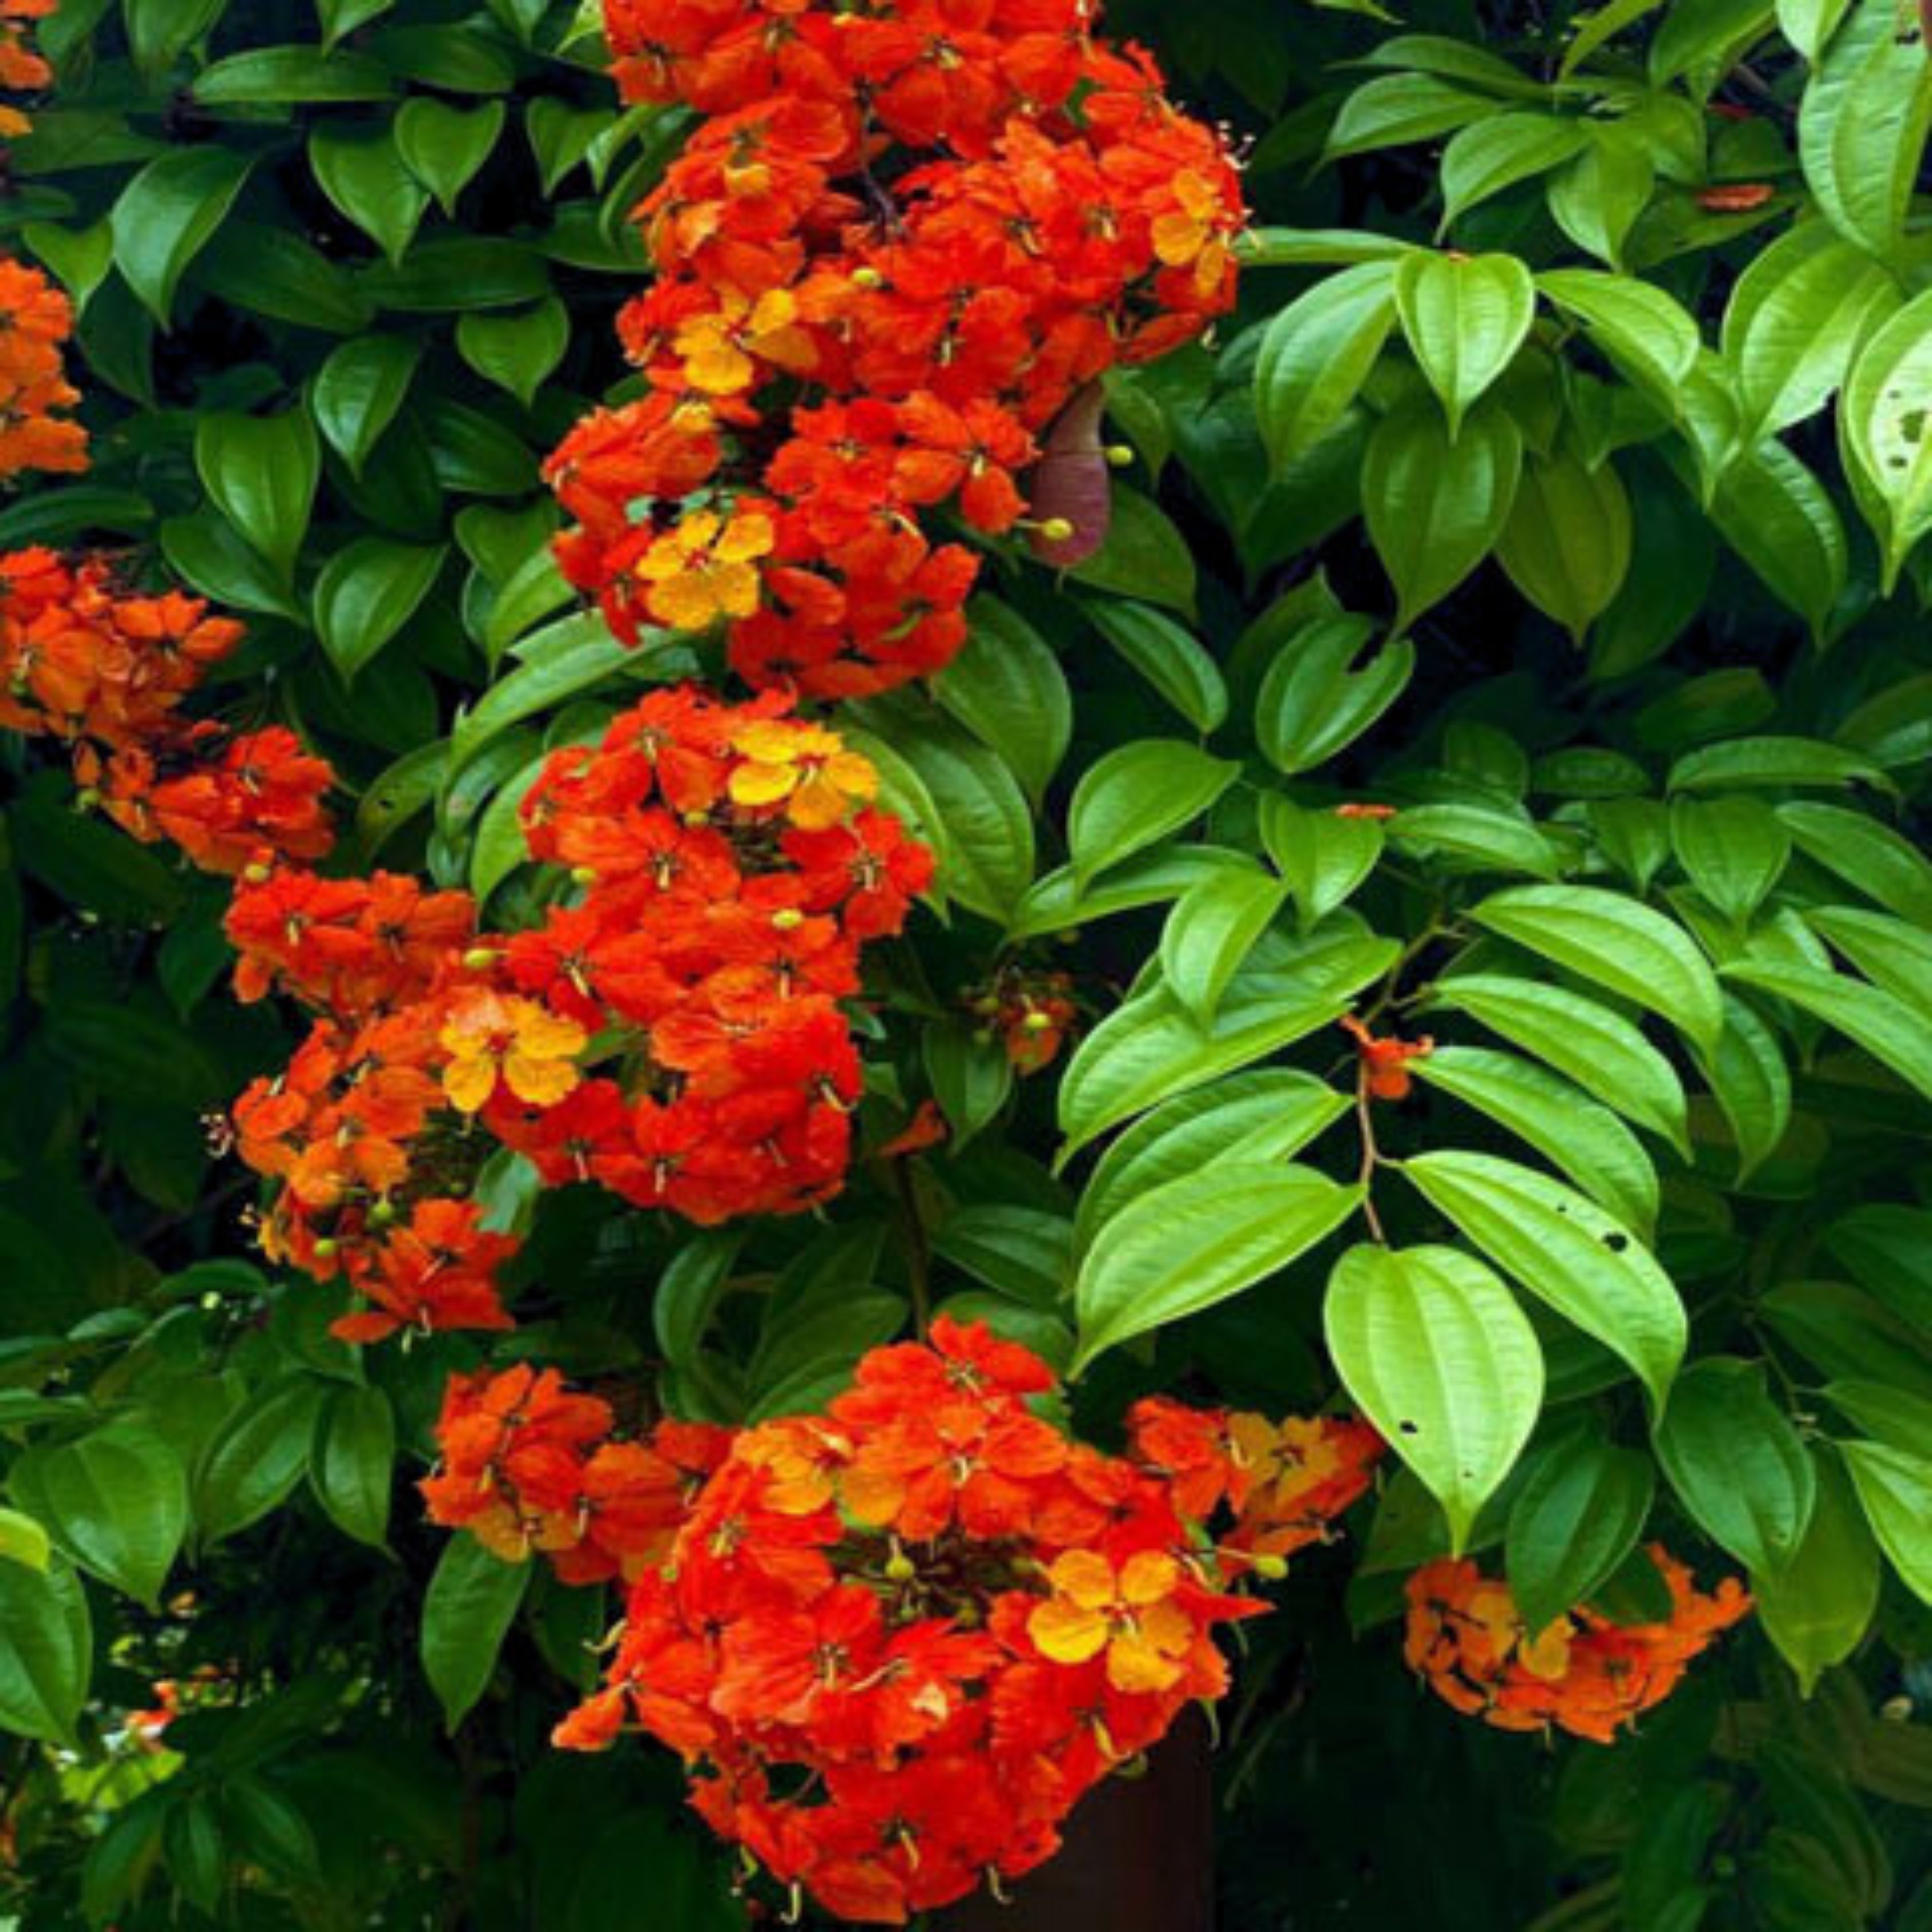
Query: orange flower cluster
{"x": 1584, "y": 1674}
{"x": 1384, "y": 1071}
{"x": 672, "y": 1031}
{"x": 22, "y": 70}
{"x": 35, "y": 319}
{"x": 909, "y": 234}
{"x": 1031, "y": 1013}
{"x": 898, "y": 1642}
{"x": 528, "y": 1465}
{"x": 105, "y": 670}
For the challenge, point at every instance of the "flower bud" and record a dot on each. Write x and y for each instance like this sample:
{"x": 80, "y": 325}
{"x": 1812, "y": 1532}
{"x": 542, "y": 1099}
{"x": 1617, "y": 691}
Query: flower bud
{"x": 787, "y": 919}
{"x": 1036, "y": 1022}
{"x": 258, "y": 874}
{"x": 868, "y": 278}
{"x": 1056, "y": 529}
{"x": 328, "y": 1248}
{"x": 900, "y": 1568}
{"x": 480, "y": 958}
{"x": 382, "y": 1212}
{"x": 583, "y": 875}
{"x": 1269, "y": 1567}
{"x": 1119, "y": 456}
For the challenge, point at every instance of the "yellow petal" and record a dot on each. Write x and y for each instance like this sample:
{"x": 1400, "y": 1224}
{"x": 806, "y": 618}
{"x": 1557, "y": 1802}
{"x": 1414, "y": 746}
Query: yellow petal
{"x": 1547, "y": 1655}
{"x": 762, "y": 784}
{"x": 1066, "y": 1633}
{"x": 545, "y": 1035}
{"x": 748, "y": 537}
{"x": 1148, "y": 1576}
{"x": 734, "y": 589}
{"x": 1137, "y": 1668}
{"x": 720, "y": 368}
{"x": 853, "y": 774}
{"x": 768, "y": 741}
{"x": 1178, "y": 238}
{"x": 1168, "y": 1627}
{"x": 469, "y": 1083}
{"x": 1085, "y": 1577}
{"x": 816, "y": 805}
{"x": 541, "y": 1082}
{"x": 685, "y": 603}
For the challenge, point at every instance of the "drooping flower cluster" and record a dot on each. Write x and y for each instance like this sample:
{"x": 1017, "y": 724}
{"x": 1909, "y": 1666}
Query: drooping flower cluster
{"x": 35, "y": 320}
{"x": 1583, "y": 1674}
{"x": 1031, "y": 1013}
{"x": 898, "y": 1642}
{"x": 673, "y": 1030}
{"x": 908, "y": 234}
{"x": 105, "y": 670}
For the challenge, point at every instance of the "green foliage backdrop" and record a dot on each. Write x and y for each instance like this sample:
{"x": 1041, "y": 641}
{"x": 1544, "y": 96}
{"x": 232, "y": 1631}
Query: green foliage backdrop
{"x": 1561, "y": 486}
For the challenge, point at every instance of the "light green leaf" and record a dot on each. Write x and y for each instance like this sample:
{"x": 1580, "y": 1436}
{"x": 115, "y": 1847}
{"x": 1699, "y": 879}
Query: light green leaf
{"x": 1464, "y": 316}
{"x": 1577, "y": 1516}
{"x": 116, "y": 1500}
{"x": 1862, "y": 127}
{"x": 1896, "y": 1489}
{"x": 1776, "y": 515}
{"x": 1144, "y": 555}
{"x": 1212, "y": 927}
{"x": 1437, "y": 1354}
{"x": 1007, "y": 688}
{"x": 1737, "y": 1463}
{"x": 1592, "y": 1269}
{"x": 1732, "y": 849}
{"x": 1488, "y": 837}
{"x": 1752, "y": 1084}
{"x": 1882, "y": 424}
{"x": 1597, "y": 199}
{"x": 1586, "y": 1141}
{"x": 1267, "y": 1114}
{"x": 1323, "y": 858}
{"x": 1316, "y": 355}
{"x": 47, "y": 1650}
{"x": 1809, "y": 24}
{"x": 1313, "y": 703}
{"x": 1602, "y": 1052}
{"x": 1614, "y": 942}
{"x": 1167, "y": 656}
{"x": 1395, "y": 109}
{"x": 1137, "y": 793}
{"x": 1865, "y": 854}
{"x": 1436, "y": 506}
{"x": 1192, "y": 1242}
{"x": 1643, "y": 331}
{"x": 1494, "y": 154}
{"x": 24, "y": 1541}
{"x": 1892, "y": 1033}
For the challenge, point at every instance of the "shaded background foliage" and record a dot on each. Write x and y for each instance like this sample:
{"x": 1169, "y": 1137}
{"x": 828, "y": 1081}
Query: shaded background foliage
{"x": 347, "y": 274}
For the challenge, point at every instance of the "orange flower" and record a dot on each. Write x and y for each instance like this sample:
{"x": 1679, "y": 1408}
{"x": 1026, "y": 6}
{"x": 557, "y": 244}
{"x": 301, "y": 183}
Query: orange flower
{"x": 1130, "y": 1613}
{"x": 1385, "y": 1070}
{"x": 530, "y": 1048}
{"x": 706, "y": 568}
{"x": 1734, "y": 197}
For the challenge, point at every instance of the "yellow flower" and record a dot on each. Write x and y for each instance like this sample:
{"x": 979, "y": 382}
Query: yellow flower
{"x": 807, "y": 766}
{"x": 532, "y": 1049}
{"x": 722, "y": 350}
{"x": 706, "y": 569}
{"x": 1189, "y": 232}
{"x": 1131, "y": 1615}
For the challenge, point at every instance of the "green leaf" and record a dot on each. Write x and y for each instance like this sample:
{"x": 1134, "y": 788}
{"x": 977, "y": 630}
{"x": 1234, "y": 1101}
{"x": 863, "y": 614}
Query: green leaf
{"x": 362, "y": 174}
{"x": 1616, "y": 942}
{"x": 1895, "y": 957}
{"x": 1598, "y": 197}
{"x": 689, "y": 1291}
{"x": 1895, "y": 1489}
{"x": 1736, "y": 1462}
{"x": 1007, "y": 688}
{"x": 517, "y": 352}
{"x": 24, "y": 1541}
{"x": 1212, "y": 927}
{"x": 1706, "y": 35}
{"x": 166, "y": 214}
{"x": 1642, "y": 330}
{"x": 1313, "y": 705}
{"x": 159, "y": 31}
{"x": 1817, "y": 1609}
{"x": 1437, "y": 1354}
{"x": 1877, "y": 860}
{"x": 1576, "y": 1516}
{"x": 1895, "y": 1034}
{"x": 351, "y": 1465}
{"x": 1586, "y": 1141}
{"x": 274, "y": 272}
{"x": 1434, "y": 505}
{"x": 1602, "y": 1052}
{"x": 1317, "y": 353}
{"x": 47, "y": 1650}
{"x": 1265, "y": 1115}
{"x": 255, "y": 1458}
{"x": 467, "y": 1612}
{"x": 1491, "y": 837}
{"x": 261, "y": 472}
{"x": 443, "y": 145}
{"x": 366, "y": 592}
{"x": 971, "y": 1076}
{"x": 576, "y": 655}
{"x": 1752, "y": 1084}
{"x": 1395, "y": 109}
{"x": 1778, "y": 762}
{"x": 1882, "y": 424}
{"x": 1732, "y": 849}
{"x": 1179, "y": 668}
{"x": 1862, "y": 127}
{"x": 1809, "y": 24}
{"x": 1494, "y": 154}
{"x": 1144, "y": 555}
{"x": 270, "y": 76}
{"x": 1794, "y": 320}
{"x": 1153, "y": 1047}
{"x": 1566, "y": 545}
{"x": 205, "y": 551}
{"x": 1136, "y": 794}
{"x": 1321, "y": 857}
{"x": 116, "y": 1501}
{"x": 1192, "y": 1242}
{"x": 1776, "y": 515}
{"x": 1566, "y": 1251}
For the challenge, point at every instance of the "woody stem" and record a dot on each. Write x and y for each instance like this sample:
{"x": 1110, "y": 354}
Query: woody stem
{"x": 919, "y": 1252}
{"x": 1371, "y": 1154}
